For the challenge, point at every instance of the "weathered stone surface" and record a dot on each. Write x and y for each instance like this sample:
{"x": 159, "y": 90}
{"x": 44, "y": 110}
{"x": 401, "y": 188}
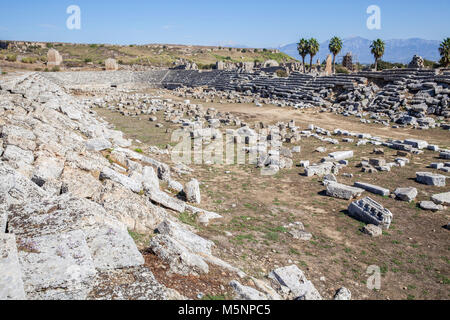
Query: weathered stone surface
{"x": 57, "y": 215}
{"x": 430, "y": 206}
{"x": 11, "y": 284}
{"x": 112, "y": 248}
{"x": 56, "y": 267}
{"x": 320, "y": 169}
{"x": 406, "y": 194}
{"x": 194, "y": 242}
{"x": 294, "y": 279}
{"x": 15, "y": 189}
{"x": 46, "y": 168}
{"x": 16, "y": 154}
{"x": 133, "y": 185}
{"x": 108, "y": 240}
{"x": 419, "y": 144}
{"x": 343, "y": 294}
{"x": 54, "y": 59}
{"x": 111, "y": 65}
{"x": 444, "y": 155}
{"x": 150, "y": 179}
{"x": 342, "y": 191}
{"x": 417, "y": 62}
{"x": 372, "y": 230}
{"x": 166, "y": 201}
{"x": 371, "y": 212}
{"x": 373, "y": 189}
{"x": 175, "y": 186}
{"x": 136, "y": 283}
{"x": 341, "y": 155}
{"x": 442, "y": 198}
{"x": 72, "y": 179}
{"x": 300, "y": 235}
{"x": 192, "y": 190}
{"x": 431, "y": 179}
{"x": 133, "y": 210}
{"x": 178, "y": 256}
{"x": 330, "y": 178}
{"x": 329, "y": 65}
{"x": 99, "y": 144}
{"x": 19, "y": 137}
{"x": 246, "y": 293}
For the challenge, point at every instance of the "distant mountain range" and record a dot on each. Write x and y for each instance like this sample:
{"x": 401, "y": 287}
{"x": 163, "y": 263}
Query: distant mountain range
{"x": 397, "y": 50}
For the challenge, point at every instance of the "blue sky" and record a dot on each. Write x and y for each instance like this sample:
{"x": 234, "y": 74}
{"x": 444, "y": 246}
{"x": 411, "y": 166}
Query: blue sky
{"x": 255, "y": 23}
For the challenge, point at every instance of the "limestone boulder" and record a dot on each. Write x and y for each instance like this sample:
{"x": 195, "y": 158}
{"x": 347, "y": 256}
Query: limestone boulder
{"x": 11, "y": 284}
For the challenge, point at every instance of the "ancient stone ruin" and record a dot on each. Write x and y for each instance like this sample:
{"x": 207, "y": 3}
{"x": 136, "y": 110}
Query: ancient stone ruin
{"x": 54, "y": 59}
{"x": 89, "y": 212}
{"x": 329, "y": 65}
{"x": 417, "y": 62}
{"x": 347, "y": 61}
{"x": 111, "y": 65}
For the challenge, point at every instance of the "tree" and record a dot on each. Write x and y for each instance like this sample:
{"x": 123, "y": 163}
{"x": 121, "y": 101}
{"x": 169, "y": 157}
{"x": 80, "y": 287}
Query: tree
{"x": 377, "y": 49}
{"x": 303, "y": 51}
{"x": 335, "y": 47}
{"x": 314, "y": 47}
{"x": 444, "y": 51}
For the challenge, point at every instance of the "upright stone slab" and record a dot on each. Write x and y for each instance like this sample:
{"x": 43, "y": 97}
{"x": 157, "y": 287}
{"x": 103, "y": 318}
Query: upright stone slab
{"x": 11, "y": 284}
{"x": 54, "y": 59}
{"x": 329, "y": 65}
{"x": 417, "y": 62}
{"x": 111, "y": 65}
{"x": 347, "y": 61}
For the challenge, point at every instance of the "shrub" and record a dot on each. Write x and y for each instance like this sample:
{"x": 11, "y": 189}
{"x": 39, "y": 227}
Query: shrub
{"x": 341, "y": 69}
{"x": 430, "y": 64}
{"x": 202, "y": 66}
{"x": 29, "y": 60}
{"x": 87, "y": 60}
{"x": 282, "y": 73}
{"x": 38, "y": 69}
{"x": 11, "y": 58}
{"x": 56, "y": 69}
{"x": 49, "y": 45}
{"x": 384, "y": 65}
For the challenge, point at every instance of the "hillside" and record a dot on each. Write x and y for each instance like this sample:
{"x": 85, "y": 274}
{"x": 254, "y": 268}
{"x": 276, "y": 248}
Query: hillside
{"x": 397, "y": 50}
{"x": 155, "y": 55}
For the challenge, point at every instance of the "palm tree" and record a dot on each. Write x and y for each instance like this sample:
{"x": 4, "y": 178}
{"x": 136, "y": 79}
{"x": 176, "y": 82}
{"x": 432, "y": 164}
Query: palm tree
{"x": 444, "y": 51}
{"x": 377, "y": 50}
{"x": 303, "y": 50}
{"x": 313, "y": 49}
{"x": 335, "y": 47}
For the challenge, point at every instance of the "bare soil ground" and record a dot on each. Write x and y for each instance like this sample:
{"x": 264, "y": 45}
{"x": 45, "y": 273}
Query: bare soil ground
{"x": 413, "y": 255}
